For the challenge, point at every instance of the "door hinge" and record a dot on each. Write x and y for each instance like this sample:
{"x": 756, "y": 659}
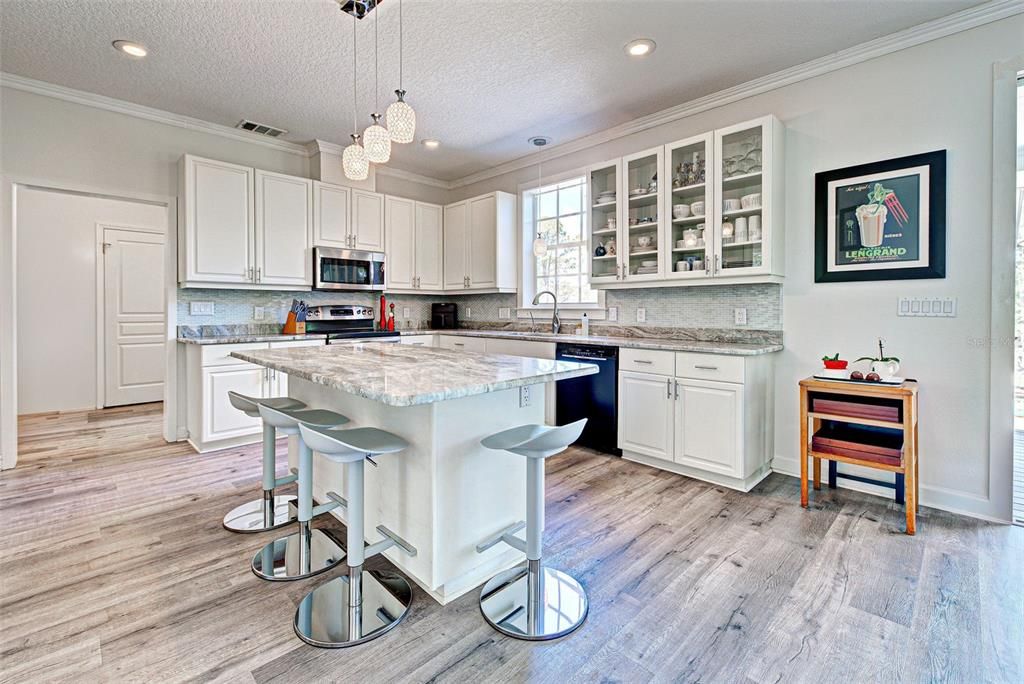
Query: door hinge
{"x": 105, "y": 245}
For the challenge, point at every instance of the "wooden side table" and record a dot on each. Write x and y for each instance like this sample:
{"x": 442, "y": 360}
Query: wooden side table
{"x": 864, "y": 438}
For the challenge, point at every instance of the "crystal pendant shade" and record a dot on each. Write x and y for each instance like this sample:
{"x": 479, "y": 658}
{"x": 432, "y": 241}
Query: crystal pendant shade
{"x": 401, "y": 120}
{"x": 354, "y": 162}
{"x": 377, "y": 142}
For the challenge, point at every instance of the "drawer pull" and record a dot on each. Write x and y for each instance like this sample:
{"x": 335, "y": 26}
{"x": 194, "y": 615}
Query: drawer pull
{"x": 706, "y": 367}
{"x": 643, "y": 361}
{"x": 458, "y": 344}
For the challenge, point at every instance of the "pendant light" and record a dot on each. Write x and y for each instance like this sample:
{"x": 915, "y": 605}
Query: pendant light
{"x": 376, "y": 139}
{"x": 540, "y": 245}
{"x": 353, "y": 160}
{"x": 400, "y": 117}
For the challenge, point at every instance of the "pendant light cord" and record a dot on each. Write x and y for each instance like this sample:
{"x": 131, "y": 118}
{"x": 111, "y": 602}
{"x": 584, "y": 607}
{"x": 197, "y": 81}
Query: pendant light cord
{"x": 401, "y": 43}
{"x": 355, "y": 95}
{"x": 376, "y": 49}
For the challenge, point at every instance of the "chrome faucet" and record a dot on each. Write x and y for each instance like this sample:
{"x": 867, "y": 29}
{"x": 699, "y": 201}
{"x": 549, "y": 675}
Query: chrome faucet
{"x": 556, "y": 324}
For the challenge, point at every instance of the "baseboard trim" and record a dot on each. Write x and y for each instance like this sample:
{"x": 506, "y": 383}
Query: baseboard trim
{"x": 960, "y": 503}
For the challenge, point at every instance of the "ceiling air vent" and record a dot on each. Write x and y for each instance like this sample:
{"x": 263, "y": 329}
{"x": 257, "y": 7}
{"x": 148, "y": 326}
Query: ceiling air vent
{"x": 262, "y": 129}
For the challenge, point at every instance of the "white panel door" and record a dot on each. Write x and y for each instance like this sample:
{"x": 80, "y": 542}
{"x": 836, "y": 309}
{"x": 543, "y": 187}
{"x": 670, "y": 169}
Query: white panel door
{"x": 455, "y": 236}
{"x": 133, "y": 316}
{"x": 400, "y": 217}
{"x": 221, "y": 420}
{"x": 331, "y": 215}
{"x": 709, "y": 426}
{"x": 367, "y": 221}
{"x": 483, "y": 242}
{"x": 646, "y": 408}
{"x": 429, "y": 246}
{"x": 219, "y": 221}
{"x": 284, "y": 230}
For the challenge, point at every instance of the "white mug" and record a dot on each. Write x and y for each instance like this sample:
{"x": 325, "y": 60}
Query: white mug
{"x": 754, "y": 232}
{"x": 682, "y": 265}
{"x": 740, "y": 230}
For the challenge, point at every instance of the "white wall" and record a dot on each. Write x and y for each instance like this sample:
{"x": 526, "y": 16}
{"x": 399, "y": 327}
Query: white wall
{"x": 937, "y": 95}
{"x": 57, "y": 308}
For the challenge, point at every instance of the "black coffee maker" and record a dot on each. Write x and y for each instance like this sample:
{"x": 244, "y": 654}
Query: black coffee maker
{"x": 444, "y": 316}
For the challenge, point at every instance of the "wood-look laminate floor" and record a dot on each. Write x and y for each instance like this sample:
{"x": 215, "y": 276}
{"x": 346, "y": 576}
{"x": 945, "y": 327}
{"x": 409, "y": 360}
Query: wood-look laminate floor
{"x": 115, "y": 567}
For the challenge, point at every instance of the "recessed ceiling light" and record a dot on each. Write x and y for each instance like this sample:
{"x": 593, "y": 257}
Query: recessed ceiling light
{"x": 431, "y": 144}
{"x": 131, "y": 49}
{"x": 539, "y": 140}
{"x": 641, "y": 47}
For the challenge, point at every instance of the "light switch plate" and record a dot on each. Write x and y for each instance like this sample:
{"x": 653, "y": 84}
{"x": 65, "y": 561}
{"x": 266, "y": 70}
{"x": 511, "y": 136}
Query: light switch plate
{"x": 469, "y": 312}
{"x": 200, "y": 308}
{"x": 258, "y": 312}
{"x": 405, "y": 312}
{"x": 641, "y": 315}
{"x": 504, "y": 312}
{"x": 928, "y": 307}
{"x": 613, "y": 313}
{"x": 740, "y": 316}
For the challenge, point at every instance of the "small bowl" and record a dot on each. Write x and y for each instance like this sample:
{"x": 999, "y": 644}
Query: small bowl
{"x": 697, "y": 208}
{"x": 637, "y": 191}
{"x": 732, "y": 205}
{"x": 751, "y": 201}
{"x": 680, "y": 211}
{"x": 649, "y": 264}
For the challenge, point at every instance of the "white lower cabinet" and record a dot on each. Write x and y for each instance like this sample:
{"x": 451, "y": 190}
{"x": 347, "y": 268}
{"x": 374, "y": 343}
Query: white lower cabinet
{"x": 460, "y": 343}
{"x": 213, "y": 423}
{"x": 678, "y": 420}
{"x": 419, "y": 340}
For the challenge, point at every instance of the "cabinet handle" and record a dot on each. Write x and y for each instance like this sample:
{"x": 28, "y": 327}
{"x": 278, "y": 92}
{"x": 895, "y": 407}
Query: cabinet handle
{"x": 677, "y": 389}
{"x": 249, "y": 274}
{"x": 718, "y": 263}
{"x": 643, "y": 361}
{"x": 668, "y": 387}
{"x": 706, "y": 367}
{"x": 259, "y": 274}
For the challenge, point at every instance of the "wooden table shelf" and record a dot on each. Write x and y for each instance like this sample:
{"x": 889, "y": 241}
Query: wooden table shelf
{"x": 904, "y": 396}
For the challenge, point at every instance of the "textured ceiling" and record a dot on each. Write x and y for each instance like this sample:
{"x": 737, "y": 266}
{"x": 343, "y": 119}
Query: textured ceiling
{"x": 483, "y": 75}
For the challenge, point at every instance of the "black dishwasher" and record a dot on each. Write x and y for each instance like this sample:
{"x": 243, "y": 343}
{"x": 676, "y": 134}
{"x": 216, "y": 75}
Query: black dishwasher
{"x": 592, "y": 396}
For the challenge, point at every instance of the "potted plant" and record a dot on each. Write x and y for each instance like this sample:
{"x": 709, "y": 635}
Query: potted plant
{"x": 884, "y": 366}
{"x": 834, "y": 362}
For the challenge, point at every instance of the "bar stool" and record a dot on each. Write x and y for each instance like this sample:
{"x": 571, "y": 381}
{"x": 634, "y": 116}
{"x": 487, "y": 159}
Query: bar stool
{"x": 362, "y": 604}
{"x": 308, "y": 551}
{"x": 532, "y": 601}
{"x": 269, "y": 512}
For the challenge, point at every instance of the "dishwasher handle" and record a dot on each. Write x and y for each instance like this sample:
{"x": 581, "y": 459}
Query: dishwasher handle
{"x": 588, "y": 359}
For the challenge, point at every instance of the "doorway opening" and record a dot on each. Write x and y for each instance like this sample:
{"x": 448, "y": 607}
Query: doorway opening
{"x": 1018, "y": 399}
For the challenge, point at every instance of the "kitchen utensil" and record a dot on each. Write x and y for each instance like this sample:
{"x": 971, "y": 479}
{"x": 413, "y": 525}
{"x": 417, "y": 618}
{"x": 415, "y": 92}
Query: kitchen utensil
{"x": 751, "y": 201}
{"x": 680, "y": 211}
{"x": 732, "y": 205}
{"x": 697, "y": 208}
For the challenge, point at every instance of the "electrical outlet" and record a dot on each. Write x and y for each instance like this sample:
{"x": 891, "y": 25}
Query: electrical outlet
{"x": 405, "y": 312}
{"x": 641, "y": 315}
{"x": 524, "y": 396}
{"x": 613, "y": 313}
{"x": 740, "y": 316}
{"x": 469, "y": 312}
{"x": 258, "y": 312}
{"x": 200, "y": 308}
{"x": 504, "y": 312}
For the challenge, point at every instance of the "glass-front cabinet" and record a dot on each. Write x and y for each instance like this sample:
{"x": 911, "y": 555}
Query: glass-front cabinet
{"x": 689, "y": 208}
{"x": 708, "y": 207}
{"x": 603, "y": 227}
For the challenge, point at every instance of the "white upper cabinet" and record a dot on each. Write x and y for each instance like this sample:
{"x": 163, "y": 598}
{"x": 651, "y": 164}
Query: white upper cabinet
{"x": 429, "y": 239}
{"x": 400, "y": 269}
{"x": 480, "y": 244}
{"x": 456, "y": 220}
{"x": 241, "y": 227}
{"x": 216, "y": 231}
{"x": 284, "y": 230}
{"x": 331, "y": 221}
{"x": 715, "y": 213}
{"x": 367, "y": 221}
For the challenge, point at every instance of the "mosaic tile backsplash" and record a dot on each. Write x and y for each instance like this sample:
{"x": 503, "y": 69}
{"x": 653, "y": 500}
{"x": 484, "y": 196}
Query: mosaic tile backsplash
{"x": 709, "y": 306}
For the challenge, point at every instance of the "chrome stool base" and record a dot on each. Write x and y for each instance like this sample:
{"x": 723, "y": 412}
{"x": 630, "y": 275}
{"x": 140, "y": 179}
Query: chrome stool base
{"x": 249, "y": 517}
{"x": 326, "y": 619}
{"x": 298, "y": 556}
{"x": 534, "y": 602}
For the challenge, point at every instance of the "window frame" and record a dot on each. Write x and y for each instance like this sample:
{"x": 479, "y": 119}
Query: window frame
{"x": 527, "y": 270}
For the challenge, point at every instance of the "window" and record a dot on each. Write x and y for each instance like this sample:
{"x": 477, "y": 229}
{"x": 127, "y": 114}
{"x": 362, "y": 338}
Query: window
{"x": 556, "y": 214}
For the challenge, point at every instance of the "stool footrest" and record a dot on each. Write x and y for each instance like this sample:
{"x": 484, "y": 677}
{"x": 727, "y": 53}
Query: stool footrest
{"x": 287, "y": 479}
{"x": 390, "y": 539}
{"x": 336, "y": 501}
{"x": 507, "y": 536}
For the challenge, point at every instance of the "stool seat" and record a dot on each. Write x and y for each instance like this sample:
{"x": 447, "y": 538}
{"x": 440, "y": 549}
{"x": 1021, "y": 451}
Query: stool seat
{"x": 345, "y": 446}
{"x": 535, "y": 441}
{"x": 288, "y": 419}
{"x": 250, "y": 406}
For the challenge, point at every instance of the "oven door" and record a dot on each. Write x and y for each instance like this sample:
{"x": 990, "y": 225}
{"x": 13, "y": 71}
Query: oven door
{"x": 347, "y": 269}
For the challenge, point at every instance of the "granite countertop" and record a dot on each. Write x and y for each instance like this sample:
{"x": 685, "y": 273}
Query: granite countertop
{"x": 243, "y": 338}
{"x": 731, "y": 348}
{"x": 402, "y": 375}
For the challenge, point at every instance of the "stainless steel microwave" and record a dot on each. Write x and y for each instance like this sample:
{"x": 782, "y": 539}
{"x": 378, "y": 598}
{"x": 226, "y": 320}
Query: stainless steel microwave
{"x": 347, "y": 269}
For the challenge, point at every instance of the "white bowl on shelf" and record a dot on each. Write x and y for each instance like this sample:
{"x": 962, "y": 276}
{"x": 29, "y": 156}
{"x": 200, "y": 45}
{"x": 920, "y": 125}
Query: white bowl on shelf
{"x": 751, "y": 201}
{"x": 649, "y": 263}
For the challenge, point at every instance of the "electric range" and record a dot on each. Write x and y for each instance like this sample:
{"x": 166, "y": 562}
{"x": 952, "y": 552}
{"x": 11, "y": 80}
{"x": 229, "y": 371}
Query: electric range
{"x": 342, "y": 322}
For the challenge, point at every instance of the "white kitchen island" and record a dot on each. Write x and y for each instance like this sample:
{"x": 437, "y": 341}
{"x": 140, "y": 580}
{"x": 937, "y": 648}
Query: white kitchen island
{"x": 445, "y": 493}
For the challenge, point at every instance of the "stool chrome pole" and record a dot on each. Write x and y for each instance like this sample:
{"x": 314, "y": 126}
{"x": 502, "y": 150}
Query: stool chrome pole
{"x": 308, "y": 551}
{"x": 270, "y": 511}
{"x": 531, "y": 601}
{"x": 361, "y": 605}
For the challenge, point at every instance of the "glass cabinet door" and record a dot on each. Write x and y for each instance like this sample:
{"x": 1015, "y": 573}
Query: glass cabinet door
{"x": 688, "y": 207}
{"x": 603, "y": 227}
{"x": 742, "y": 225}
{"x": 642, "y": 240}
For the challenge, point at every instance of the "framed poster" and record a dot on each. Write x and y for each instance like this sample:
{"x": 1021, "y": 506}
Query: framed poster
{"x": 881, "y": 221}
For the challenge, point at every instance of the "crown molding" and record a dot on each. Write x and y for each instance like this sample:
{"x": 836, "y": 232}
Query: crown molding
{"x": 901, "y": 40}
{"x": 142, "y": 112}
{"x": 414, "y": 177}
